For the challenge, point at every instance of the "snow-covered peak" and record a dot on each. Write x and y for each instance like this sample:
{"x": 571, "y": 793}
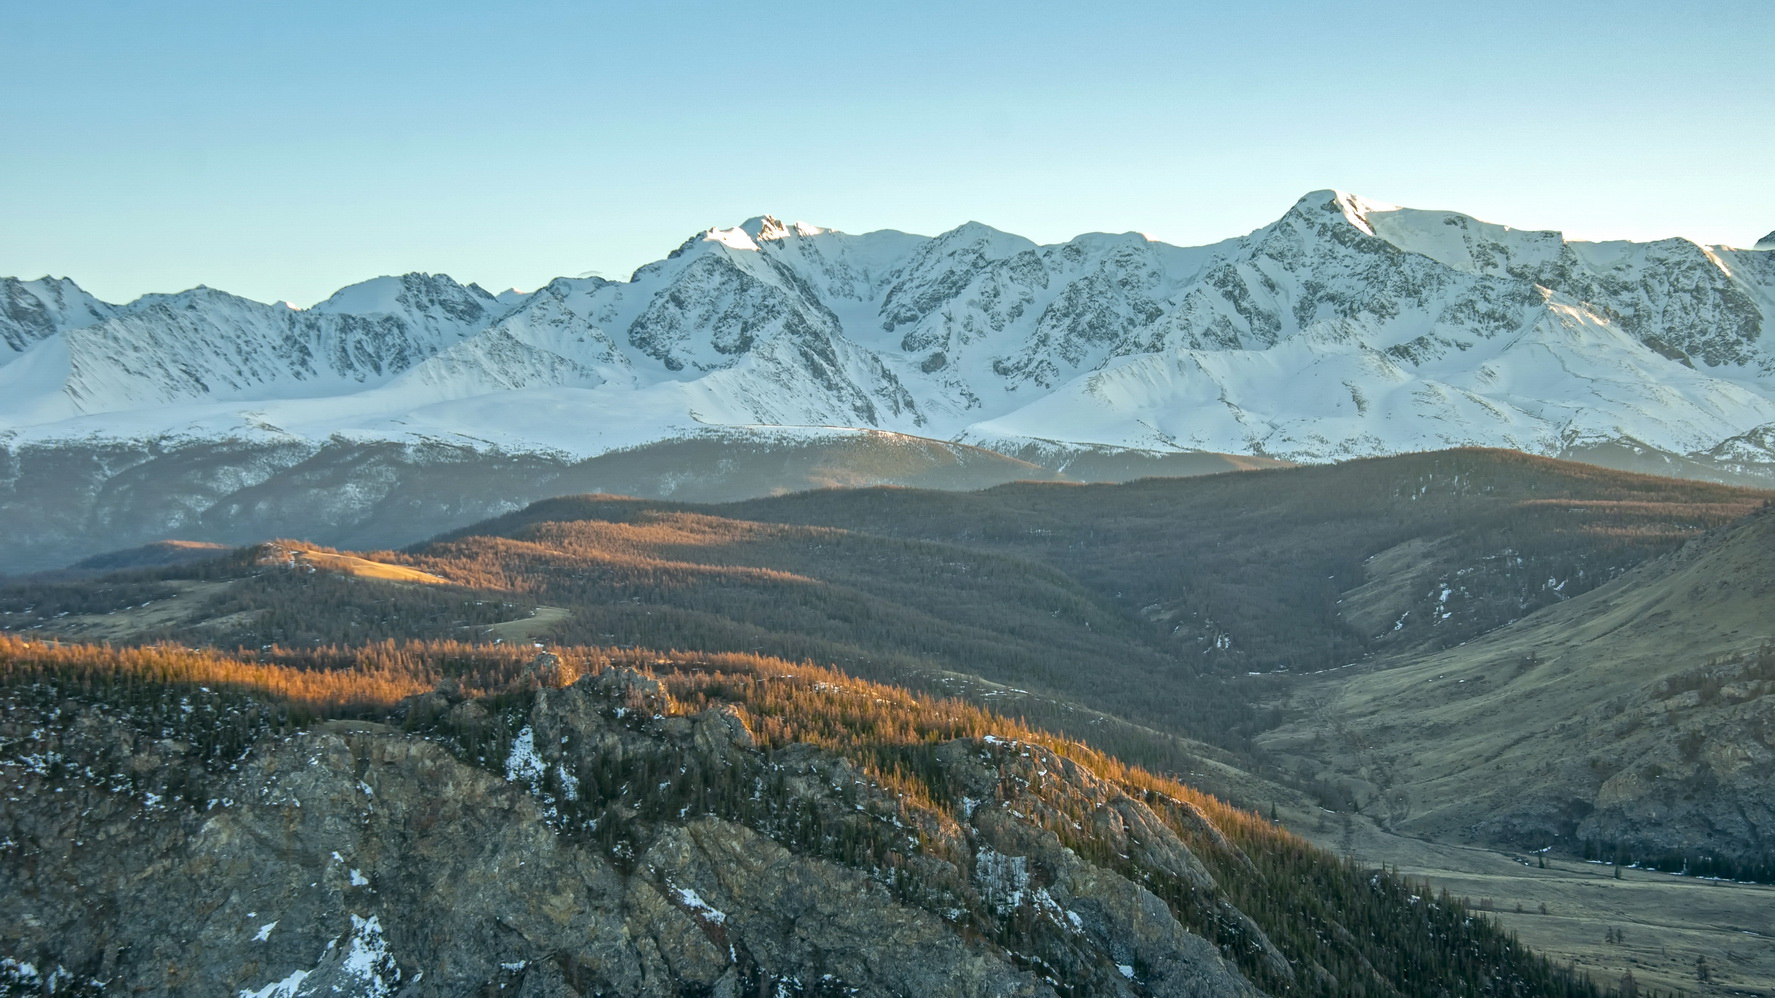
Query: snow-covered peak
{"x": 1346, "y": 327}
{"x": 1112, "y": 242}
{"x": 753, "y": 232}
{"x": 1464, "y": 242}
{"x": 374, "y": 296}
{"x": 763, "y": 228}
{"x": 967, "y": 247}
{"x": 979, "y": 234}
{"x": 1767, "y": 242}
{"x": 201, "y": 297}
{"x": 735, "y": 238}
{"x": 767, "y": 228}
{"x": 1361, "y": 205}
{"x": 406, "y": 293}
{"x": 1358, "y": 209}
{"x": 1355, "y": 210}
{"x": 34, "y": 310}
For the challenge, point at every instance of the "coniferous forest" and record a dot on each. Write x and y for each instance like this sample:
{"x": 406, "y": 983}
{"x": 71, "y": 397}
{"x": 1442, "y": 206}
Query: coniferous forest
{"x": 1293, "y": 918}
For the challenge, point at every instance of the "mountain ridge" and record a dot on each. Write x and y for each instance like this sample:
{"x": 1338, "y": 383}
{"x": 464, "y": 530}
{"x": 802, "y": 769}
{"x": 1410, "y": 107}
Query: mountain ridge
{"x": 974, "y": 334}
{"x": 1346, "y": 328}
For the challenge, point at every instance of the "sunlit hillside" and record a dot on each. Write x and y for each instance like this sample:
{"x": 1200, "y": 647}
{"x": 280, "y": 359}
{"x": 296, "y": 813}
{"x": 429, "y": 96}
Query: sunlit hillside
{"x": 942, "y": 794}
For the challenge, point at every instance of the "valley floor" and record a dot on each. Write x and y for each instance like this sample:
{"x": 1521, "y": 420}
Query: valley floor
{"x": 1665, "y": 921}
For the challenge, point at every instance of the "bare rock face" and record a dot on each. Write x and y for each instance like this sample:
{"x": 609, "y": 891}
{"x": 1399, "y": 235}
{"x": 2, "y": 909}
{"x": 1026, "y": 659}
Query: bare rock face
{"x": 1699, "y": 776}
{"x": 744, "y": 889}
{"x": 356, "y": 858}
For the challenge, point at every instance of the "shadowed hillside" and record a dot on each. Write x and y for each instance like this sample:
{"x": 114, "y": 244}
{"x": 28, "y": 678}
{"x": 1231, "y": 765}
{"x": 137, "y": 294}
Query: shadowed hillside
{"x": 1147, "y": 600}
{"x": 1126, "y": 617}
{"x": 1630, "y": 724}
{"x": 73, "y": 500}
{"x": 1301, "y": 568}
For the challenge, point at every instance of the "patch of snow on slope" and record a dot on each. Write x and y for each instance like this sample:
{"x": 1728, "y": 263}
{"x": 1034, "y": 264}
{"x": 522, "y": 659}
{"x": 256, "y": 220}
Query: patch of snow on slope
{"x": 362, "y": 967}
{"x": 522, "y": 764}
{"x": 286, "y": 988}
{"x": 367, "y": 959}
{"x": 694, "y": 902}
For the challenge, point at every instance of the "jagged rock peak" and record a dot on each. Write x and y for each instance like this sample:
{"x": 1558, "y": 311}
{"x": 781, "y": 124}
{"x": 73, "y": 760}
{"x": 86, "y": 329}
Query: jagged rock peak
{"x": 763, "y": 227}
{"x": 33, "y": 310}
{"x": 755, "y": 230}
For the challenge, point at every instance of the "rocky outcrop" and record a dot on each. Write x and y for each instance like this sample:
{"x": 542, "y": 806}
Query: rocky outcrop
{"x": 358, "y": 858}
{"x": 1692, "y": 779}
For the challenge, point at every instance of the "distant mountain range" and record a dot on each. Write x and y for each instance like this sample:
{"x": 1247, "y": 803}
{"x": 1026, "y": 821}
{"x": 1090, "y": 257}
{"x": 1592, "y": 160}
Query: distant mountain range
{"x": 1343, "y": 329}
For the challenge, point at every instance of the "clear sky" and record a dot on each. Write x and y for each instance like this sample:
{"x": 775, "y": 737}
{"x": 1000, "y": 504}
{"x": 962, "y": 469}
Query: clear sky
{"x": 280, "y": 151}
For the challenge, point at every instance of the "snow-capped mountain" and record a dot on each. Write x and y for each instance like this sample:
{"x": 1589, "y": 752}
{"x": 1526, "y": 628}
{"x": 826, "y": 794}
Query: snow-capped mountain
{"x": 35, "y": 310}
{"x": 203, "y": 345}
{"x": 1345, "y": 328}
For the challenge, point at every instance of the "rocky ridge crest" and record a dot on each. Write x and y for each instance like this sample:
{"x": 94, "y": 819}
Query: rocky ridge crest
{"x": 355, "y": 858}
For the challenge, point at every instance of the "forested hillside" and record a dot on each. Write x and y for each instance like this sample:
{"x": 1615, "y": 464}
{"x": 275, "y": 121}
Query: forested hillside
{"x": 702, "y": 804}
{"x": 1165, "y": 624}
{"x": 1147, "y": 602}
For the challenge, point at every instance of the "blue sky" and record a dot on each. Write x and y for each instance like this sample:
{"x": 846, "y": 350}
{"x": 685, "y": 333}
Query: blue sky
{"x": 282, "y": 151}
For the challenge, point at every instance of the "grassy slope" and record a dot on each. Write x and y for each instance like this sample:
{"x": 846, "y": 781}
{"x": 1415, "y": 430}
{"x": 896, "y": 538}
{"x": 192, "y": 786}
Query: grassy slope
{"x": 878, "y": 606}
{"x": 1250, "y": 571}
{"x": 66, "y": 502}
{"x": 1620, "y": 705}
{"x": 1628, "y": 699}
{"x": 1667, "y": 922}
